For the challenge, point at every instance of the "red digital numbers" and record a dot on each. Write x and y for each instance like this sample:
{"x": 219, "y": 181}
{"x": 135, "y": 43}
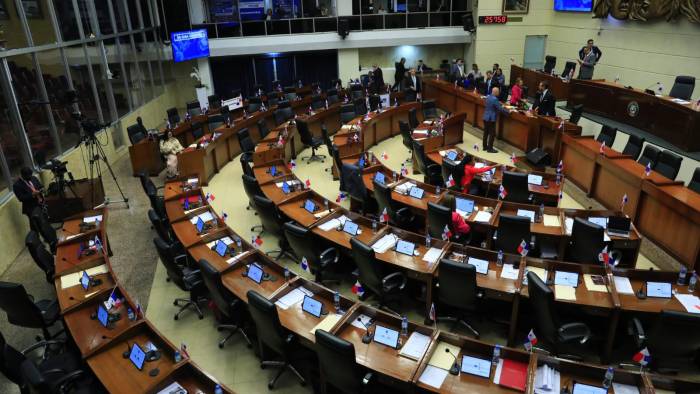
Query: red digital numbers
{"x": 493, "y": 19}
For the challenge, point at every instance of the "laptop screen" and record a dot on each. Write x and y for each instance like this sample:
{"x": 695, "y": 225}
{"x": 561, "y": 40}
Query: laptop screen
{"x": 200, "y": 225}
{"x": 350, "y": 227}
{"x": 465, "y": 205}
{"x": 310, "y": 206}
{"x": 85, "y": 280}
{"x": 379, "y": 177}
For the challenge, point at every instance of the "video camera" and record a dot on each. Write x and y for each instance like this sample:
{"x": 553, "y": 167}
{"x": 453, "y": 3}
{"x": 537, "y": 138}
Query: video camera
{"x": 56, "y": 166}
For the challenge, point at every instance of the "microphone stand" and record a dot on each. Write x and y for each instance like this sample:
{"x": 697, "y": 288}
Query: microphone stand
{"x": 454, "y": 370}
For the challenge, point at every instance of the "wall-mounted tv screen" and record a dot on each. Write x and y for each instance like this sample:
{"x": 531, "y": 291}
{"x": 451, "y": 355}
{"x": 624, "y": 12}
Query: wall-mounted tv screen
{"x": 191, "y": 44}
{"x": 573, "y": 5}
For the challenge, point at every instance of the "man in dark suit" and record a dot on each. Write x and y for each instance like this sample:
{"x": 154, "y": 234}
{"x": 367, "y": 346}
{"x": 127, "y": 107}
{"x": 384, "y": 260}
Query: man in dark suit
{"x": 544, "y": 101}
{"x": 489, "y": 83}
{"x": 378, "y": 79}
{"x": 28, "y": 189}
{"x": 598, "y": 53}
{"x": 400, "y": 73}
{"x": 413, "y": 85}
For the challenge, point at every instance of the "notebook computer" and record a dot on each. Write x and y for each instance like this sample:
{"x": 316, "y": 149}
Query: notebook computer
{"x": 619, "y": 226}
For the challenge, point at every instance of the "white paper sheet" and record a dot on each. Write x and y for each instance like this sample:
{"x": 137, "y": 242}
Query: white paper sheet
{"x": 569, "y": 224}
{"x": 73, "y": 279}
{"x": 290, "y": 299}
{"x": 206, "y": 217}
{"x": 416, "y": 346}
{"x": 92, "y": 219}
{"x": 433, "y": 376}
{"x": 384, "y": 243}
{"x": 432, "y": 255}
{"x": 620, "y": 388}
{"x": 482, "y": 216}
{"x": 690, "y": 302}
{"x": 623, "y": 285}
{"x": 547, "y": 380}
{"x": 526, "y": 213}
{"x": 482, "y": 266}
{"x": 509, "y": 272}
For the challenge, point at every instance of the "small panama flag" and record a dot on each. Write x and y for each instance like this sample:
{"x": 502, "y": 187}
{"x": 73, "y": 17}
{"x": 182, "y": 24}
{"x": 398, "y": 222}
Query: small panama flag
{"x": 431, "y": 314}
{"x": 475, "y": 147}
{"x": 183, "y": 350}
{"x": 385, "y": 156}
{"x": 311, "y": 110}
{"x": 624, "y": 201}
{"x": 292, "y": 165}
{"x": 446, "y": 233}
{"x": 531, "y": 341}
{"x": 358, "y": 289}
{"x": 602, "y": 148}
{"x": 257, "y": 241}
{"x": 341, "y": 197}
{"x": 384, "y": 217}
{"x": 307, "y": 183}
{"x": 305, "y": 264}
{"x": 647, "y": 169}
{"x": 523, "y": 248}
{"x": 560, "y": 167}
{"x": 209, "y": 197}
{"x": 187, "y": 204}
{"x": 642, "y": 357}
{"x": 224, "y": 216}
{"x": 561, "y": 125}
{"x": 280, "y": 141}
{"x": 502, "y": 193}
{"x": 404, "y": 170}
{"x": 513, "y": 159}
{"x": 604, "y": 256}
{"x": 450, "y": 181}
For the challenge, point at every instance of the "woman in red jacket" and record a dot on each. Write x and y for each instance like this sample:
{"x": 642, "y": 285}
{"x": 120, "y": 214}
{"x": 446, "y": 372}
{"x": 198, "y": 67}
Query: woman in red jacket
{"x": 516, "y": 93}
{"x": 469, "y": 173}
{"x": 459, "y": 228}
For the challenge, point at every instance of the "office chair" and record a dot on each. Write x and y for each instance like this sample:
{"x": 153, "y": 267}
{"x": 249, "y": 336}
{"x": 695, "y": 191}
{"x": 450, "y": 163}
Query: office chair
{"x": 511, "y": 231}
{"x": 516, "y": 187}
{"x": 351, "y": 179}
{"x": 193, "y": 108}
{"x": 401, "y": 217}
{"x": 197, "y": 130}
{"x": 569, "y": 69}
{"x": 360, "y": 106}
{"x": 374, "y": 102}
{"x": 252, "y": 189}
{"x": 634, "y": 146}
{"x": 276, "y": 85}
{"x": 247, "y": 145}
{"x": 161, "y": 226}
{"x": 694, "y": 183}
{"x": 456, "y": 170}
{"x": 555, "y": 336}
{"x": 22, "y": 311}
{"x": 135, "y": 133}
{"x": 587, "y": 241}
{"x": 173, "y": 116}
{"x": 387, "y": 288}
{"x": 336, "y": 83}
{"x": 305, "y": 244}
{"x": 290, "y": 93}
{"x": 329, "y": 144}
{"x": 332, "y": 96}
{"x": 457, "y": 290}
{"x": 549, "y": 63}
{"x": 225, "y": 113}
{"x": 649, "y": 156}
{"x": 576, "y": 113}
{"x": 283, "y": 112}
{"x": 406, "y": 137}
{"x": 440, "y": 216}
{"x": 214, "y": 101}
{"x": 188, "y": 280}
{"x": 272, "y": 335}
{"x": 668, "y": 164}
{"x": 356, "y": 92}
{"x": 429, "y": 109}
{"x": 683, "y": 87}
{"x": 231, "y": 309}
{"x": 272, "y": 99}
{"x": 317, "y": 102}
{"x": 254, "y": 104}
{"x": 263, "y": 129}
{"x": 41, "y": 224}
{"x": 339, "y": 368}
{"x": 412, "y": 118}
{"x": 214, "y": 122}
{"x": 157, "y": 201}
{"x": 347, "y": 113}
{"x": 607, "y": 135}
{"x": 43, "y": 259}
{"x": 432, "y": 173}
{"x": 273, "y": 223}
{"x": 309, "y": 141}
{"x": 258, "y": 90}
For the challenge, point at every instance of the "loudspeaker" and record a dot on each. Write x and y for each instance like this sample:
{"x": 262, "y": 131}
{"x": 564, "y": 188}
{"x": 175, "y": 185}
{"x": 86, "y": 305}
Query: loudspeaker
{"x": 539, "y": 158}
{"x": 468, "y": 22}
{"x": 343, "y": 28}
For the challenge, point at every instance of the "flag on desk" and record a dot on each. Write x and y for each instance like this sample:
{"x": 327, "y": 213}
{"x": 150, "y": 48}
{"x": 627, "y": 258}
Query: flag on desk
{"x": 183, "y": 350}
{"x": 523, "y": 248}
{"x": 385, "y": 156}
{"x": 224, "y": 216}
{"x": 404, "y": 170}
{"x": 647, "y": 169}
{"x": 450, "y": 181}
{"x": 292, "y": 165}
{"x": 311, "y": 110}
{"x": 341, "y": 197}
{"x": 384, "y": 217}
{"x": 446, "y": 233}
{"x": 502, "y": 193}
{"x": 209, "y": 197}
{"x": 357, "y": 289}
{"x": 431, "y": 314}
{"x": 642, "y": 357}
{"x": 602, "y": 148}
{"x": 308, "y": 183}
{"x": 561, "y": 125}
{"x": 513, "y": 159}
{"x": 361, "y": 162}
{"x": 624, "y": 201}
{"x": 257, "y": 241}
{"x": 604, "y": 256}
{"x": 531, "y": 341}
{"x": 305, "y": 264}
{"x": 560, "y": 166}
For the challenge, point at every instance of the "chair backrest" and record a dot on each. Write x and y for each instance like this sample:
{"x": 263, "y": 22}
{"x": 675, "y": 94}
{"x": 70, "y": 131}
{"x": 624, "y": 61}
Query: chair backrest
{"x": 251, "y": 187}
{"x": 41, "y": 223}
{"x": 135, "y": 133}
{"x": 336, "y": 83}
{"x": 569, "y": 68}
{"x": 351, "y": 178}
{"x": 607, "y": 134}
{"x": 272, "y": 99}
{"x": 457, "y": 284}
{"x": 663, "y": 337}
{"x": 549, "y": 63}
{"x": 406, "y": 136}
{"x": 347, "y": 113}
{"x": 336, "y": 358}
{"x": 587, "y": 241}
{"x": 668, "y": 164}
{"x": 326, "y": 138}
{"x": 429, "y": 109}
{"x": 650, "y": 156}
{"x": 516, "y": 186}
{"x": 166, "y": 253}
{"x": 197, "y": 130}
{"x": 173, "y": 115}
{"x": 303, "y": 243}
{"x": 366, "y": 261}
{"x": 304, "y": 132}
{"x": 542, "y": 301}
{"x": 214, "y": 122}
{"x": 262, "y": 128}
{"x": 438, "y": 218}
{"x": 576, "y": 113}
{"x": 214, "y": 101}
{"x": 382, "y": 194}
{"x": 421, "y": 159}
{"x": 221, "y": 297}
{"x": 283, "y": 112}
{"x": 267, "y": 321}
{"x": 159, "y": 225}
{"x": 317, "y": 102}
{"x": 412, "y": 118}
{"x": 694, "y": 183}
{"x": 244, "y": 140}
{"x": 10, "y": 361}
{"x": 332, "y": 96}
{"x": 254, "y": 104}
{"x": 456, "y": 169}
{"x": 633, "y": 147}
{"x": 360, "y": 105}
{"x": 42, "y": 257}
{"x": 512, "y": 230}
{"x": 356, "y": 91}
{"x": 19, "y": 307}
{"x": 683, "y": 87}
{"x": 268, "y": 214}
{"x": 193, "y": 108}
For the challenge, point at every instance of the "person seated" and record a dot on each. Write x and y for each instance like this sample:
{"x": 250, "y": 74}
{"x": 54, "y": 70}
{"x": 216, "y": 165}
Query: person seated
{"x": 470, "y": 171}
{"x": 459, "y": 226}
{"x": 170, "y": 147}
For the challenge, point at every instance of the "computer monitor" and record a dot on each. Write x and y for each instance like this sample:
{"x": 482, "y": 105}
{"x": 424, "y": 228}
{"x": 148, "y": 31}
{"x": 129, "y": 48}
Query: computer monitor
{"x": 312, "y": 306}
{"x": 255, "y": 273}
{"x": 85, "y": 280}
{"x": 221, "y": 248}
{"x": 102, "y": 315}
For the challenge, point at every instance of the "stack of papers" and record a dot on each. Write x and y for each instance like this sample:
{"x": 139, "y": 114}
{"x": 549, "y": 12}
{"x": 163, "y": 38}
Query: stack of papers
{"x": 432, "y": 255}
{"x": 509, "y": 272}
{"x": 291, "y": 182}
{"x": 73, "y": 279}
{"x": 595, "y": 283}
{"x": 482, "y": 216}
{"x": 565, "y": 293}
{"x": 620, "y": 388}
{"x": 333, "y": 223}
{"x": 415, "y": 347}
{"x": 690, "y": 302}
{"x": 384, "y": 243}
{"x": 327, "y": 323}
{"x": 551, "y": 221}
{"x": 526, "y": 213}
{"x": 92, "y": 219}
{"x": 404, "y": 188}
{"x": 547, "y": 380}
{"x": 173, "y": 388}
{"x": 293, "y": 297}
{"x": 623, "y": 285}
{"x": 482, "y": 266}
{"x": 433, "y": 376}
{"x": 206, "y": 217}
{"x": 566, "y": 278}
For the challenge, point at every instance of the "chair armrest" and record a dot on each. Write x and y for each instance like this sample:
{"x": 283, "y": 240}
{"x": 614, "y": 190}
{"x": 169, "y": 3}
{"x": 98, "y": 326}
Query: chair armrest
{"x": 68, "y": 378}
{"x": 395, "y": 280}
{"x": 191, "y": 278}
{"x": 574, "y": 331}
{"x": 43, "y": 344}
{"x": 328, "y": 256}
{"x": 179, "y": 260}
{"x": 635, "y": 328}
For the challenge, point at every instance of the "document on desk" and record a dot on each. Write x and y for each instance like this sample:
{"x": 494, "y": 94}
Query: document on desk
{"x": 432, "y": 255}
{"x": 482, "y": 266}
{"x": 333, "y": 223}
{"x": 510, "y": 272}
{"x": 327, "y": 323}
{"x": 527, "y": 214}
{"x": 533, "y": 179}
{"x": 620, "y": 388}
{"x": 569, "y": 225}
{"x": 293, "y": 297}
{"x": 551, "y": 221}
{"x": 595, "y": 283}
{"x": 690, "y": 302}
{"x": 433, "y": 376}
{"x": 92, "y": 219}
{"x": 384, "y": 243}
{"x": 73, "y": 279}
{"x": 206, "y": 217}
{"x": 238, "y": 257}
{"x": 566, "y": 278}
{"x": 540, "y": 272}
{"x": 322, "y": 214}
{"x": 476, "y": 366}
{"x": 547, "y": 380}
{"x": 404, "y": 188}
{"x": 415, "y": 347}
{"x": 483, "y": 217}
{"x": 564, "y": 293}
{"x": 173, "y": 388}
{"x": 580, "y": 388}
{"x": 362, "y": 322}
{"x": 441, "y": 358}
{"x": 623, "y": 285}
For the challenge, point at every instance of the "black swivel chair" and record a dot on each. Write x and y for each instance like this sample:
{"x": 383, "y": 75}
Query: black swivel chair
{"x": 512, "y": 230}
{"x": 429, "y": 109}
{"x": 387, "y": 288}
{"x": 553, "y": 335}
{"x": 413, "y": 118}
{"x": 136, "y": 133}
{"x": 197, "y": 130}
{"x": 157, "y": 201}
{"x": 304, "y": 244}
{"x": 458, "y": 292}
{"x": 43, "y": 259}
{"x": 252, "y": 189}
{"x": 360, "y": 106}
{"x": 683, "y": 87}
{"x": 332, "y": 96}
{"x": 694, "y": 183}
{"x": 283, "y": 112}
{"x": 214, "y": 101}
{"x": 549, "y": 63}
{"x": 356, "y": 91}
{"x": 607, "y": 135}
{"x": 41, "y": 224}
{"x": 516, "y": 187}
{"x": 351, "y": 179}
{"x": 161, "y": 226}
{"x": 339, "y": 368}
{"x": 290, "y": 93}
{"x": 193, "y": 108}
{"x": 587, "y": 241}
{"x": 406, "y": 137}
{"x": 409, "y": 95}
{"x": 272, "y": 223}
{"x": 399, "y": 216}
{"x": 272, "y": 99}
{"x": 188, "y": 280}
{"x": 347, "y": 113}
{"x": 231, "y": 309}
{"x": 309, "y": 141}
{"x": 633, "y": 147}
{"x": 329, "y": 144}
{"x": 576, "y": 113}
{"x": 569, "y": 69}
{"x": 317, "y": 102}
{"x": 262, "y": 128}
{"x": 456, "y": 170}
{"x": 173, "y": 116}
{"x": 273, "y": 336}
{"x": 247, "y": 147}
{"x": 668, "y": 164}
{"x": 432, "y": 173}
{"x": 254, "y": 104}
{"x": 214, "y": 122}
{"x": 649, "y": 156}
{"x": 23, "y": 311}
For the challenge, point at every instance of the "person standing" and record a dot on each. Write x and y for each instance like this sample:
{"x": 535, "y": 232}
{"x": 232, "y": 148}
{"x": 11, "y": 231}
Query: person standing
{"x": 587, "y": 64}
{"x": 170, "y": 147}
{"x": 544, "y": 100}
{"x": 475, "y": 71}
{"x": 516, "y": 93}
{"x": 400, "y": 73}
{"x": 491, "y": 110}
{"x": 489, "y": 83}
{"x": 28, "y": 190}
{"x": 500, "y": 78}
{"x": 593, "y": 48}
{"x": 413, "y": 84}
{"x": 458, "y": 70}
{"x": 378, "y": 79}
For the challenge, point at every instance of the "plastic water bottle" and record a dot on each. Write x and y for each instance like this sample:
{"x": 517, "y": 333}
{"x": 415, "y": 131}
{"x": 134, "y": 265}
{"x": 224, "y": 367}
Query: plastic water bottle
{"x": 607, "y": 381}
{"x": 336, "y": 300}
{"x": 427, "y": 240}
{"x": 692, "y": 282}
{"x": 499, "y": 260}
{"x": 437, "y": 189}
{"x": 287, "y": 274}
{"x": 541, "y": 212}
{"x": 395, "y": 176}
{"x": 374, "y": 226}
{"x": 496, "y": 355}
{"x": 325, "y": 203}
{"x": 681, "y": 275}
{"x": 218, "y": 390}
{"x": 404, "y": 326}
{"x": 177, "y": 357}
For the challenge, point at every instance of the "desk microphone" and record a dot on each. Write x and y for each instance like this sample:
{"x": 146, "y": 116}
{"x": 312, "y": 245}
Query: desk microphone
{"x": 641, "y": 294}
{"x": 454, "y": 370}
{"x": 367, "y": 338}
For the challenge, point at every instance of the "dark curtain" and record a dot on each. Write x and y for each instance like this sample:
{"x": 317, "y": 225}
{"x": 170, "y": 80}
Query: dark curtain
{"x": 231, "y": 73}
{"x": 265, "y": 72}
{"x": 319, "y": 66}
{"x": 285, "y": 70}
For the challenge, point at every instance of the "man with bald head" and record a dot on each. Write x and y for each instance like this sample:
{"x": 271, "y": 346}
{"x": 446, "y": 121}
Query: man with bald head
{"x": 491, "y": 110}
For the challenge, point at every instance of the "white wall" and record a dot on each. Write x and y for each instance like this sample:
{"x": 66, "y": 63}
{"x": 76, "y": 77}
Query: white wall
{"x": 348, "y": 64}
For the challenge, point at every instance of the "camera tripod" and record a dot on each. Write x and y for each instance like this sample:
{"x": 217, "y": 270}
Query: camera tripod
{"x": 97, "y": 154}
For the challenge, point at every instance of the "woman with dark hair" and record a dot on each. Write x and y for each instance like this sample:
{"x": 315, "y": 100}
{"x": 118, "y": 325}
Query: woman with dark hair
{"x": 470, "y": 171}
{"x": 459, "y": 226}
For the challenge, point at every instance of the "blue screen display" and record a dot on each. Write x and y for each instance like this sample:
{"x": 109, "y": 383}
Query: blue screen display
{"x": 102, "y": 315}
{"x": 311, "y": 306}
{"x": 573, "y": 5}
{"x": 137, "y": 356}
{"x": 191, "y": 44}
{"x": 85, "y": 280}
{"x": 221, "y": 248}
{"x": 255, "y": 273}
{"x": 379, "y": 177}
{"x": 310, "y": 206}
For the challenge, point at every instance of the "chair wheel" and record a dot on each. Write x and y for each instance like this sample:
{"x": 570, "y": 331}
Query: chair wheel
{"x": 175, "y": 302}
{"x": 201, "y": 317}
{"x": 175, "y": 317}
{"x": 262, "y": 366}
{"x": 221, "y": 346}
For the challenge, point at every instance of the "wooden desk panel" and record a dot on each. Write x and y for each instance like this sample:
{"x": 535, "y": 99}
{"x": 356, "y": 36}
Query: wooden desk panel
{"x": 532, "y": 79}
{"x": 239, "y": 284}
{"x": 145, "y": 157}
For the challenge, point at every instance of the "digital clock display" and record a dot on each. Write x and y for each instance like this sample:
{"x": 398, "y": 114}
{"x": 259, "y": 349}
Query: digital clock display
{"x": 493, "y": 20}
